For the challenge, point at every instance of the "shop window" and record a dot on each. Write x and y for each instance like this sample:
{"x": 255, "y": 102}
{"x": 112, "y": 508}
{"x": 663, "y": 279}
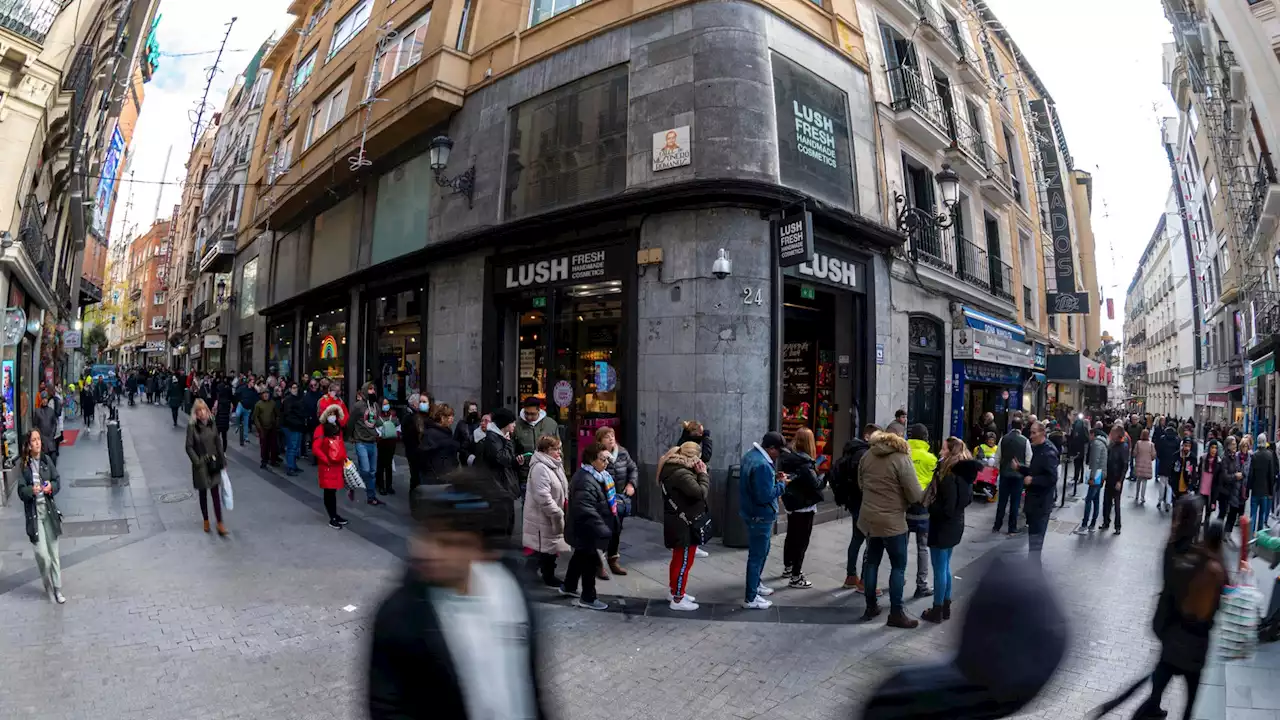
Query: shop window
{"x": 394, "y": 360}
{"x": 245, "y": 362}
{"x": 327, "y": 344}
{"x": 568, "y": 145}
{"x": 280, "y": 348}
{"x": 249, "y": 289}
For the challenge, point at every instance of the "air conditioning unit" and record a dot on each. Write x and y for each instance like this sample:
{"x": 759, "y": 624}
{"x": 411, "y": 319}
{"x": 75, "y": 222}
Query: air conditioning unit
{"x": 1235, "y": 84}
{"x": 1236, "y": 118}
{"x": 1206, "y": 36}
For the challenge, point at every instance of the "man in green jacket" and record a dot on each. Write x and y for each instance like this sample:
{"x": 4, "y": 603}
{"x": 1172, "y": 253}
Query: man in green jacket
{"x": 924, "y": 462}
{"x": 532, "y": 424}
{"x": 266, "y": 420}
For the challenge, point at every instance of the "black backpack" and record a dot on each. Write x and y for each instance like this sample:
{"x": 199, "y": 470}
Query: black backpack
{"x": 842, "y": 477}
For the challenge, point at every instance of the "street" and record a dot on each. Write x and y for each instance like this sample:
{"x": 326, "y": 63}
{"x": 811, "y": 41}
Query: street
{"x": 165, "y": 621}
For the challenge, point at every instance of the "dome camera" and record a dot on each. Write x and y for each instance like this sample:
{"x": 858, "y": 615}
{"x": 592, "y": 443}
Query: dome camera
{"x": 723, "y": 266}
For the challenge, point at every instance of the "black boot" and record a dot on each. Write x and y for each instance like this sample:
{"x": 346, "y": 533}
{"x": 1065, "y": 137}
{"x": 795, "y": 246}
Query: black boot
{"x": 946, "y": 610}
{"x": 933, "y": 615}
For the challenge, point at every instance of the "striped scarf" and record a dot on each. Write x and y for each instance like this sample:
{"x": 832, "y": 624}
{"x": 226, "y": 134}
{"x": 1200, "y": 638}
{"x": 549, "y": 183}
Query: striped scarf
{"x": 606, "y": 480}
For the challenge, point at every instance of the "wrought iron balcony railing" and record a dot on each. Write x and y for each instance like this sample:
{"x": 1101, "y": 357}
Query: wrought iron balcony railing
{"x": 31, "y": 232}
{"x": 1001, "y": 274}
{"x": 910, "y": 92}
{"x": 29, "y": 18}
{"x": 972, "y": 264}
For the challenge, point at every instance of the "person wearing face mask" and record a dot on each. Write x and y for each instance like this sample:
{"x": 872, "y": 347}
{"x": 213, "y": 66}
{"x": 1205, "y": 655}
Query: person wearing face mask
{"x": 388, "y": 438}
{"x": 293, "y": 425}
{"x": 464, "y": 432}
{"x": 365, "y": 434}
{"x": 311, "y": 404}
{"x": 411, "y": 426}
{"x": 332, "y": 396}
{"x": 331, "y": 456}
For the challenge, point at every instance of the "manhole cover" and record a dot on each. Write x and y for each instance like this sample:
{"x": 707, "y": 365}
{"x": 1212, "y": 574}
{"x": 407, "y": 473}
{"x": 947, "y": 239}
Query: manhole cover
{"x": 102, "y": 479}
{"x": 93, "y": 528}
{"x": 176, "y": 497}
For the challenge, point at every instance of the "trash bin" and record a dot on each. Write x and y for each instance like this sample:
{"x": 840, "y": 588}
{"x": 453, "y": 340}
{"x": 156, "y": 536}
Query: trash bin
{"x": 115, "y": 449}
{"x": 733, "y": 530}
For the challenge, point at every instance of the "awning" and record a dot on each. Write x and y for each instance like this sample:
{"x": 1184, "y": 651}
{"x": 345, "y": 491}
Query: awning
{"x": 1039, "y": 377}
{"x": 986, "y": 323}
{"x": 1231, "y": 388}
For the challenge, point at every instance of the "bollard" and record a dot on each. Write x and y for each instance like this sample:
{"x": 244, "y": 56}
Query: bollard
{"x": 733, "y": 529}
{"x": 115, "y": 449}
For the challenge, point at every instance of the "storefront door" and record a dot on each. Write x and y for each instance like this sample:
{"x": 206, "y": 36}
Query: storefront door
{"x": 395, "y": 324}
{"x": 924, "y": 376}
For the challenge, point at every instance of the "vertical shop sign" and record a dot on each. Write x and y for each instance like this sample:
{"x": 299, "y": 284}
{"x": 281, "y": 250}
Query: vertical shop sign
{"x": 1065, "y": 299}
{"x": 793, "y": 234}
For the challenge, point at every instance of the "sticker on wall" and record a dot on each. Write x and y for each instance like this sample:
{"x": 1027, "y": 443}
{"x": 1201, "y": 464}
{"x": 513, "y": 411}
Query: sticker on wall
{"x": 562, "y": 393}
{"x": 879, "y": 353}
{"x": 328, "y": 348}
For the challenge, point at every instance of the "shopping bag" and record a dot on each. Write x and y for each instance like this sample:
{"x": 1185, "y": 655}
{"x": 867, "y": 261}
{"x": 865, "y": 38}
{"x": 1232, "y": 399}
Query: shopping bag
{"x": 393, "y": 466}
{"x": 352, "y": 476}
{"x": 1238, "y": 622}
{"x": 228, "y": 497}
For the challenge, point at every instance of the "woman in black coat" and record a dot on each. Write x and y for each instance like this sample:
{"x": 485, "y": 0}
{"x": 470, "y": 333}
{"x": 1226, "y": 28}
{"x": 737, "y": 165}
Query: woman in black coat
{"x": 590, "y": 525}
{"x": 223, "y": 400}
{"x": 39, "y": 484}
{"x": 801, "y": 499}
{"x": 692, "y": 431}
{"x": 951, "y": 491}
{"x": 438, "y": 451}
{"x": 685, "y": 483}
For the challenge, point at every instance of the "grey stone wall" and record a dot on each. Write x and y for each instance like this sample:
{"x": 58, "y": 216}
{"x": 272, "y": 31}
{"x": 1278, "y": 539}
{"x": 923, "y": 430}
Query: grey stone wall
{"x": 455, "y": 309}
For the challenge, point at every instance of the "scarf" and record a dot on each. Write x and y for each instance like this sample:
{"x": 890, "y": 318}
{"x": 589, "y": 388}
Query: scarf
{"x": 606, "y": 480}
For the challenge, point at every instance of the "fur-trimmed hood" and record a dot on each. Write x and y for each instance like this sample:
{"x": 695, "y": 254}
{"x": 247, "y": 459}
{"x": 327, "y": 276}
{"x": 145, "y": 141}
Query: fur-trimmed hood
{"x": 887, "y": 443}
{"x": 334, "y": 409}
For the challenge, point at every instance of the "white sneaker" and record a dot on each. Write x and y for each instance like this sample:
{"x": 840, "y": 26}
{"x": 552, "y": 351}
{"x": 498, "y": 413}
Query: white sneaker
{"x": 758, "y": 603}
{"x": 699, "y": 552}
{"x": 686, "y": 604}
{"x": 764, "y": 590}
{"x": 687, "y": 596}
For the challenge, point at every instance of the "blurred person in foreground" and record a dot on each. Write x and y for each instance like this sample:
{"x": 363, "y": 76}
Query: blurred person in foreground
{"x": 458, "y": 638}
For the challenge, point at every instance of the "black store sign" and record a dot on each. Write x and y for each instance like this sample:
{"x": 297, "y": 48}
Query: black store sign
{"x": 829, "y": 267}
{"x": 813, "y": 133}
{"x": 793, "y": 235}
{"x": 580, "y": 267}
{"x": 1066, "y": 299}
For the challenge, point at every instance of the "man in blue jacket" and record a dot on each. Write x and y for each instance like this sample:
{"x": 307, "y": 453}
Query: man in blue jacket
{"x": 758, "y": 495}
{"x": 1041, "y": 480}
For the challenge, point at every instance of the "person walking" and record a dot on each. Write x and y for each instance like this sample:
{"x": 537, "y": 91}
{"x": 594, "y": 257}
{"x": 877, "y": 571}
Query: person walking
{"x": 889, "y": 487}
{"x": 293, "y": 424}
{"x": 761, "y": 486}
{"x": 683, "y": 479}
{"x": 622, "y": 468}
{"x": 1261, "y": 483}
{"x": 801, "y": 500}
{"x": 1113, "y": 487}
{"x": 1097, "y": 477}
{"x": 174, "y": 394}
{"x": 45, "y": 419}
{"x": 1013, "y": 454}
{"x": 947, "y": 498}
{"x": 1144, "y": 463}
{"x": 496, "y": 455}
{"x": 464, "y": 432}
{"x": 88, "y": 401}
{"x": 1230, "y": 493}
{"x": 388, "y": 439}
{"x": 846, "y": 491}
{"x": 365, "y": 434}
{"x": 1041, "y": 481}
{"x": 592, "y": 508}
{"x": 208, "y": 459}
{"x": 1167, "y": 448}
{"x": 331, "y": 457}
{"x": 265, "y": 422}
{"x": 1212, "y": 470}
{"x": 223, "y": 400}
{"x": 925, "y": 463}
{"x": 39, "y": 484}
{"x": 544, "y": 508}
{"x": 438, "y": 453}
{"x": 1078, "y": 443}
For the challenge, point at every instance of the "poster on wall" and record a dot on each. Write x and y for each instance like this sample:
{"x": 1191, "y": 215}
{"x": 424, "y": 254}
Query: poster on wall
{"x": 7, "y": 388}
{"x": 813, "y": 133}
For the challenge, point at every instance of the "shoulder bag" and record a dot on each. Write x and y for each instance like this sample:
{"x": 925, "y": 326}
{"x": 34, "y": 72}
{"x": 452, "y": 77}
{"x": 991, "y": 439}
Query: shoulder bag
{"x": 699, "y": 527}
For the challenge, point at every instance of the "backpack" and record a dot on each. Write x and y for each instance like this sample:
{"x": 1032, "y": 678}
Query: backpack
{"x": 841, "y": 479}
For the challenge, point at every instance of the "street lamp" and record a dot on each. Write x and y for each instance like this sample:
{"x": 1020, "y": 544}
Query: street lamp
{"x": 912, "y": 219}
{"x": 438, "y": 155}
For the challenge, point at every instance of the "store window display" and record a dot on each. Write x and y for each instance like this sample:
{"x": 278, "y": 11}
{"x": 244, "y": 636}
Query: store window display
{"x": 393, "y": 360}
{"x": 280, "y": 348}
{"x": 327, "y": 345}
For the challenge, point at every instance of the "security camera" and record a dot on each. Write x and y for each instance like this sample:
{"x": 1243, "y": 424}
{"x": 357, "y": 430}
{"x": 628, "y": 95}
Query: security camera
{"x": 723, "y": 266}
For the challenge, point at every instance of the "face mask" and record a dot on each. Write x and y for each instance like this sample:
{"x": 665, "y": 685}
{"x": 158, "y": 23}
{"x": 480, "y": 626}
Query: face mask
{"x": 424, "y": 407}
{"x": 473, "y": 417}
{"x": 385, "y": 407}
{"x": 333, "y": 419}
{"x": 371, "y": 393}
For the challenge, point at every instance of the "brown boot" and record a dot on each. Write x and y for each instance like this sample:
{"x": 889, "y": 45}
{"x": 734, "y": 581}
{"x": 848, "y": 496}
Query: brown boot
{"x": 900, "y": 619}
{"x": 946, "y": 610}
{"x": 933, "y": 614}
{"x": 852, "y": 582}
{"x": 614, "y": 567}
{"x": 206, "y": 526}
{"x": 222, "y": 530}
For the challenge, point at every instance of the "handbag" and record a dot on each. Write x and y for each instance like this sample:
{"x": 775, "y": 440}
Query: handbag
{"x": 699, "y": 527}
{"x": 623, "y": 505}
{"x": 351, "y": 476}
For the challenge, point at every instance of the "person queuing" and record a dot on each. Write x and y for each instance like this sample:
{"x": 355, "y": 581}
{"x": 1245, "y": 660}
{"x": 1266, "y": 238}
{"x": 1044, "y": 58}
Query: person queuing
{"x": 1040, "y": 481}
{"x": 293, "y": 424}
{"x": 592, "y": 516}
{"x": 1013, "y": 454}
{"x": 247, "y": 397}
{"x": 311, "y": 403}
{"x": 388, "y": 439}
{"x": 683, "y": 479}
{"x": 926, "y": 464}
{"x": 947, "y": 498}
{"x": 265, "y": 422}
{"x": 208, "y": 459}
{"x": 889, "y": 485}
{"x": 438, "y": 452}
{"x": 1144, "y": 465}
{"x": 411, "y": 427}
{"x": 546, "y": 499}
{"x": 1097, "y": 477}
{"x": 458, "y": 637}
{"x": 758, "y": 494}
{"x": 331, "y": 457}
{"x": 847, "y": 493}
{"x": 532, "y": 424}
{"x": 364, "y": 412}
{"x": 495, "y": 453}
{"x": 801, "y": 500}
{"x": 464, "y": 432}
{"x": 40, "y": 483}
{"x": 1113, "y": 486}
{"x": 1261, "y": 484}
{"x": 622, "y": 468}
{"x": 694, "y": 431}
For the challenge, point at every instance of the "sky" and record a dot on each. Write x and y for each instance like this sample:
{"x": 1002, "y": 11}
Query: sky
{"x": 1105, "y": 79}
{"x": 174, "y": 93}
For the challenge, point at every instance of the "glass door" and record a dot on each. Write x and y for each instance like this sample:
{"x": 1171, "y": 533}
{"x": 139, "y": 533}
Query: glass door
{"x": 588, "y": 348}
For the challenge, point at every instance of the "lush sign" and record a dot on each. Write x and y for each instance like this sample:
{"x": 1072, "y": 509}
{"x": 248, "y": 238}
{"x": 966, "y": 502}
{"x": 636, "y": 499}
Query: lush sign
{"x": 813, "y": 133}
{"x": 793, "y": 235}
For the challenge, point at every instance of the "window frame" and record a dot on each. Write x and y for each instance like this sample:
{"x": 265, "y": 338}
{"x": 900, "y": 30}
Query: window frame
{"x": 326, "y": 105}
{"x": 363, "y": 6}
{"x": 396, "y": 50}
{"x": 309, "y": 62}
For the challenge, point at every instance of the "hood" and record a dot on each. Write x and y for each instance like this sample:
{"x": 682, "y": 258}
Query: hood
{"x": 887, "y": 443}
{"x": 493, "y": 428}
{"x": 334, "y": 409}
{"x": 967, "y": 470}
{"x": 542, "y": 415}
{"x": 855, "y": 445}
{"x": 918, "y": 445}
{"x": 1100, "y": 432}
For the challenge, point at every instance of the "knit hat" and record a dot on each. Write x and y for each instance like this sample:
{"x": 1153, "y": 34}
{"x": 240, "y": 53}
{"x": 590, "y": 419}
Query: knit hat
{"x": 502, "y": 417}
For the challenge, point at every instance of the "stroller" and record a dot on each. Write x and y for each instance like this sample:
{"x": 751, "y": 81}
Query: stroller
{"x": 985, "y": 486}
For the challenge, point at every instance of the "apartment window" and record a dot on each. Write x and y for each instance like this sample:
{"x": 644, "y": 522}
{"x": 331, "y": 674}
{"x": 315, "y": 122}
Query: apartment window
{"x": 303, "y": 72}
{"x": 898, "y": 50}
{"x": 1195, "y": 121}
{"x": 317, "y": 12}
{"x": 403, "y": 53}
{"x": 544, "y": 9}
{"x": 259, "y": 94}
{"x": 1053, "y": 323}
{"x": 349, "y": 26}
{"x": 158, "y": 299}
{"x": 1028, "y": 305}
{"x": 327, "y": 112}
{"x": 284, "y": 156}
{"x": 1071, "y": 328}
{"x": 157, "y": 322}
{"x": 464, "y": 26}
{"x": 1213, "y": 189}
{"x": 1015, "y": 162}
{"x": 1030, "y": 278}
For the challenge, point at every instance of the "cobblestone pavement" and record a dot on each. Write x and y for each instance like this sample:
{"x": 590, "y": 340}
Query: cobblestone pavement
{"x": 167, "y": 622}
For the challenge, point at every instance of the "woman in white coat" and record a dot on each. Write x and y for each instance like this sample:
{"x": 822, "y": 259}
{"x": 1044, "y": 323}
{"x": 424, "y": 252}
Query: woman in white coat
{"x": 545, "y": 500}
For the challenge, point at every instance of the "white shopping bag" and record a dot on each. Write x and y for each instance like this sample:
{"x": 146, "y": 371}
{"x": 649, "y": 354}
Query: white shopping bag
{"x": 228, "y": 497}
{"x": 393, "y": 466}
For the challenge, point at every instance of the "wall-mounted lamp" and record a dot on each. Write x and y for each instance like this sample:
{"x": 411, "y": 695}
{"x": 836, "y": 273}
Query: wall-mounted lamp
{"x": 913, "y": 220}
{"x": 438, "y": 154}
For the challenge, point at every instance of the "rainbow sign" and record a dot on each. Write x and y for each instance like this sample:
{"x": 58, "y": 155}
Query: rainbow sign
{"x": 328, "y": 348}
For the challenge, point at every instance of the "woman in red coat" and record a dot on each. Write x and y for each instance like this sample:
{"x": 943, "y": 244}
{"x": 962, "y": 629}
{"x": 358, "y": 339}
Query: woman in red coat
{"x": 331, "y": 455}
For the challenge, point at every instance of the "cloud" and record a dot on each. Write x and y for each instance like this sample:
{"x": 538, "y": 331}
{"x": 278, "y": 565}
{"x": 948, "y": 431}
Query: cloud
{"x": 168, "y": 110}
{"x": 1106, "y": 80}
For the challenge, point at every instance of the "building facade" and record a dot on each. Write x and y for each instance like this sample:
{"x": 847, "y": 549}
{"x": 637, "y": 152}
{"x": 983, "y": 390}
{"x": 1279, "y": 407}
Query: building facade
{"x": 146, "y": 321}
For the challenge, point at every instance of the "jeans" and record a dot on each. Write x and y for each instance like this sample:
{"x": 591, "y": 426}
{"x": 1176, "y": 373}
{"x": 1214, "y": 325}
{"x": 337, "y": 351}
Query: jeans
{"x": 1092, "y": 503}
{"x": 292, "y": 440}
{"x": 855, "y": 544}
{"x": 386, "y": 463}
{"x": 1259, "y": 511}
{"x": 245, "y": 417}
{"x": 48, "y": 560}
{"x": 366, "y": 461}
{"x": 1037, "y": 525}
{"x": 1011, "y": 494}
{"x": 759, "y": 535}
{"x": 922, "y": 561}
{"x": 1110, "y": 500}
{"x": 896, "y": 546}
{"x": 940, "y": 558}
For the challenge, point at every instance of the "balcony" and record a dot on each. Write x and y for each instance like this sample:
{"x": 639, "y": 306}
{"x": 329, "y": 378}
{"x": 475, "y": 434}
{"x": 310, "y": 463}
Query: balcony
{"x": 90, "y": 290}
{"x": 939, "y": 31}
{"x": 972, "y": 264}
{"x": 968, "y": 151}
{"x": 908, "y": 11}
{"x": 927, "y": 247}
{"x": 1001, "y": 274}
{"x": 972, "y": 71}
{"x": 219, "y": 255}
{"x": 135, "y": 294}
{"x": 918, "y": 110}
{"x": 998, "y": 186}
{"x": 201, "y": 312}
{"x": 1264, "y": 204}
{"x": 30, "y": 18}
